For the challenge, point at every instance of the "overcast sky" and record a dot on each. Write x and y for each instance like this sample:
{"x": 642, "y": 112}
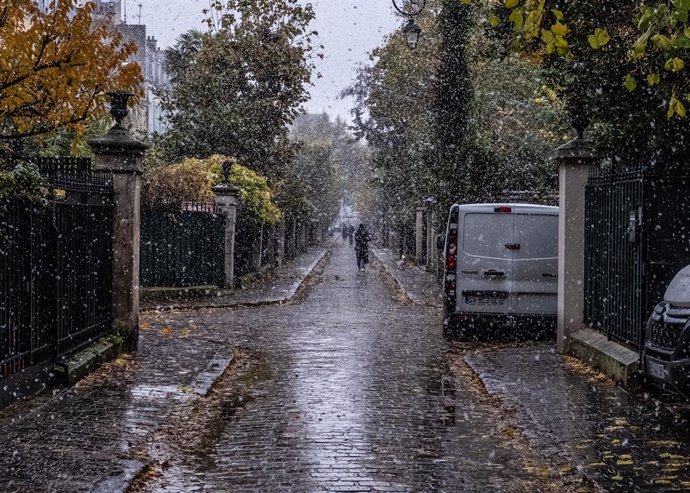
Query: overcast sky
{"x": 349, "y": 30}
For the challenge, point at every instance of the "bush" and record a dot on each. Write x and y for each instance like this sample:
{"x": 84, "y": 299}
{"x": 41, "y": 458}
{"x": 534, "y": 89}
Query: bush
{"x": 23, "y": 182}
{"x": 192, "y": 180}
{"x": 168, "y": 187}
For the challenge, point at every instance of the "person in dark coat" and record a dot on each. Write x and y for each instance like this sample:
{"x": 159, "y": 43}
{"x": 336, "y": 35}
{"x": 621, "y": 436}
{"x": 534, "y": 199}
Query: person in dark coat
{"x": 362, "y": 240}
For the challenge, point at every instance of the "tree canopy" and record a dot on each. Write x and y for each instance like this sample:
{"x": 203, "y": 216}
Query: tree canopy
{"x": 192, "y": 180}
{"x": 56, "y": 68}
{"x": 326, "y": 157}
{"x": 619, "y": 65}
{"x": 458, "y": 119}
{"x": 237, "y": 87}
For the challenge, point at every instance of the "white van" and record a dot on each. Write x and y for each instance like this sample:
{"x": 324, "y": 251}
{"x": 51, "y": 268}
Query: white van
{"x": 501, "y": 270}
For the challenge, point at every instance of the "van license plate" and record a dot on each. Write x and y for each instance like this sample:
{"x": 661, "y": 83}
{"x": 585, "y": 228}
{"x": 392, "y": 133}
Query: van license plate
{"x": 483, "y": 300}
{"x": 657, "y": 370}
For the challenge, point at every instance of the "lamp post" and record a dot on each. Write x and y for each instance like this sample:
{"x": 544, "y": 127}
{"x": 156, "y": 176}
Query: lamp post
{"x": 411, "y": 9}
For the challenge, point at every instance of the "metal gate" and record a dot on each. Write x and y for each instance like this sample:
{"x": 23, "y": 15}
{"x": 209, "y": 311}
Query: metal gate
{"x": 55, "y": 266}
{"x": 637, "y": 236}
{"x": 183, "y": 248}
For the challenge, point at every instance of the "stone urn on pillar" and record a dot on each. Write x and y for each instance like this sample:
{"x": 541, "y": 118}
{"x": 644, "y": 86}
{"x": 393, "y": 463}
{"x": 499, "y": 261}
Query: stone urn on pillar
{"x": 122, "y": 155}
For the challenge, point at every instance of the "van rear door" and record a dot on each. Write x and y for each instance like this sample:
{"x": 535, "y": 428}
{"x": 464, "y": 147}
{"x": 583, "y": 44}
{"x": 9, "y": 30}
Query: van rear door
{"x": 535, "y": 270}
{"x": 484, "y": 262}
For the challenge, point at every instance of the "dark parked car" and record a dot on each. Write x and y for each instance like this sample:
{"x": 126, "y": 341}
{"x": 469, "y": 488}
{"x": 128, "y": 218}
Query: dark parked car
{"x": 666, "y": 355}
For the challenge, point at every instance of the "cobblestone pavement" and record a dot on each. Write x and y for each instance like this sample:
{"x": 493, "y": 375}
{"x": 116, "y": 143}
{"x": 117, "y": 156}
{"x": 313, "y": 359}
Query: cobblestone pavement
{"x": 624, "y": 442}
{"x": 84, "y": 438}
{"x": 348, "y": 391}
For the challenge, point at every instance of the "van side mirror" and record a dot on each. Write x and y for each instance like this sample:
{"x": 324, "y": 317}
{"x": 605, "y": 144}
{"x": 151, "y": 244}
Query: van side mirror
{"x": 440, "y": 242}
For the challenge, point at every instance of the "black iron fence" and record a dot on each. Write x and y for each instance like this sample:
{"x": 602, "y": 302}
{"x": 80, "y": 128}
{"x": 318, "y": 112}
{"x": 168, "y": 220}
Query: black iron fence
{"x": 637, "y": 237}
{"x": 55, "y": 265}
{"x": 183, "y": 248}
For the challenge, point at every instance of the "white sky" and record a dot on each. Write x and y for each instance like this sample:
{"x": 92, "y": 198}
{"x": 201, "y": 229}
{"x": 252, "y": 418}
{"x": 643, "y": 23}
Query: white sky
{"x": 348, "y": 29}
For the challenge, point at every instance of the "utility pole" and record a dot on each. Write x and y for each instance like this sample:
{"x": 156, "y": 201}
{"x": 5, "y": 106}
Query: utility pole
{"x": 140, "y": 5}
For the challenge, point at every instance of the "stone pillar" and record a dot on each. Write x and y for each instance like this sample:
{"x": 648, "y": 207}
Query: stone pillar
{"x": 227, "y": 199}
{"x": 257, "y": 249}
{"x": 419, "y": 236}
{"x": 270, "y": 244}
{"x": 280, "y": 243}
{"x": 575, "y": 161}
{"x": 293, "y": 239}
{"x": 290, "y": 239}
{"x": 302, "y": 237}
{"x": 123, "y": 156}
{"x": 431, "y": 251}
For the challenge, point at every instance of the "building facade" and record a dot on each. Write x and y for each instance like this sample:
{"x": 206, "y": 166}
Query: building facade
{"x": 148, "y": 117}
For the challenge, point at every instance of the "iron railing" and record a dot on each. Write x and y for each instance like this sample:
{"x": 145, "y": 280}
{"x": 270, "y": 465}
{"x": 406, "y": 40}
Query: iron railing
{"x": 183, "y": 248}
{"x": 637, "y": 237}
{"x": 55, "y": 266}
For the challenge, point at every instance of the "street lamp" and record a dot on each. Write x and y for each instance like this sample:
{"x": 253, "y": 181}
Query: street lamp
{"x": 412, "y": 32}
{"x": 411, "y": 9}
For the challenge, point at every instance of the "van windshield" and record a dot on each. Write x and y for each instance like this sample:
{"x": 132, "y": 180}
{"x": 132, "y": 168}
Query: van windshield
{"x": 486, "y": 235}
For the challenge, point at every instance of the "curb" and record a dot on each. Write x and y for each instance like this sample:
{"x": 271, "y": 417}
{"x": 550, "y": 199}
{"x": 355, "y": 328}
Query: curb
{"x": 120, "y": 481}
{"x": 130, "y": 469}
{"x": 411, "y": 297}
{"x": 395, "y": 279}
{"x": 292, "y": 291}
{"x": 204, "y": 381}
{"x": 495, "y": 388}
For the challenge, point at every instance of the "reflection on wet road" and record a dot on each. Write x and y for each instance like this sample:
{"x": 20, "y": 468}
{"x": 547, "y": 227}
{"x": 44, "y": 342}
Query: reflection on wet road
{"x": 348, "y": 391}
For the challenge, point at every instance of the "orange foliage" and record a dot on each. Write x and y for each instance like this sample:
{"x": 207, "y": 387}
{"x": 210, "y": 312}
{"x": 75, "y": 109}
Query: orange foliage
{"x": 56, "y": 67}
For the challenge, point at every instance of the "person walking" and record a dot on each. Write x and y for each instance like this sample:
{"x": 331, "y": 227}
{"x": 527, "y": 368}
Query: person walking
{"x": 350, "y": 233}
{"x": 362, "y": 240}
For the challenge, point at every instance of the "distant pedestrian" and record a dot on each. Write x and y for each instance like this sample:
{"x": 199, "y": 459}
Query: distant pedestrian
{"x": 362, "y": 240}
{"x": 344, "y": 230}
{"x": 350, "y": 233}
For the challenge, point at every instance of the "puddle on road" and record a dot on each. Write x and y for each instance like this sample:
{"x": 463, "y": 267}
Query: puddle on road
{"x": 155, "y": 392}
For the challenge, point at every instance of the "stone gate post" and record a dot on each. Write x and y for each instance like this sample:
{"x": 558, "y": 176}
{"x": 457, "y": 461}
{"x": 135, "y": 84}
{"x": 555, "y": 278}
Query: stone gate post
{"x": 280, "y": 243}
{"x": 123, "y": 156}
{"x": 419, "y": 235}
{"x": 431, "y": 251}
{"x": 575, "y": 161}
{"x": 227, "y": 199}
{"x": 270, "y": 244}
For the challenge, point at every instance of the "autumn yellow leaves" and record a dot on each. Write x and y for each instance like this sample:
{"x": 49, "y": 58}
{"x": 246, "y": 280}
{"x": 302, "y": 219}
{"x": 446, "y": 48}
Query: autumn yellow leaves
{"x": 56, "y": 67}
{"x": 169, "y": 330}
{"x": 656, "y": 40}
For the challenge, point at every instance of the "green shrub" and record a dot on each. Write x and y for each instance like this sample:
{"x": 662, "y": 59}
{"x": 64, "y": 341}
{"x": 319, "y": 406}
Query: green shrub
{"x": 23, "y": 182}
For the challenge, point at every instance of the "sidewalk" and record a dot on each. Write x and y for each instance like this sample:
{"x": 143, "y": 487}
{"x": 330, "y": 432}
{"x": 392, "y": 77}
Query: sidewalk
{"x": 622, "y": 442}
{"x": 280, "y": 287}
{"x": 86, "y": 438}
{"x": 419, "y": 285}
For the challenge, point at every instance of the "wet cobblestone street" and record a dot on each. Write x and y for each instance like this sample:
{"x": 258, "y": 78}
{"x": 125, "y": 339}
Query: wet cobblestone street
{"x": 347, "y": 388}
{"x": 350, "y": 392}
